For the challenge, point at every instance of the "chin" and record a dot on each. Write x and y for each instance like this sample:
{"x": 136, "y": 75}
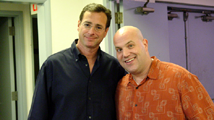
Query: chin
{"x": 131, "y": 70}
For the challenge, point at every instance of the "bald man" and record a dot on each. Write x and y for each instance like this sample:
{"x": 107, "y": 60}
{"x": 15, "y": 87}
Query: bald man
{"x": 156, "y": 90}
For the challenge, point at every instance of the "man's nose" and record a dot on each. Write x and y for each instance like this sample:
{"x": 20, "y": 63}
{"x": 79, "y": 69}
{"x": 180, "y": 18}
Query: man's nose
{"x": 126, "y": 52}
{"x": 92, "y": 30}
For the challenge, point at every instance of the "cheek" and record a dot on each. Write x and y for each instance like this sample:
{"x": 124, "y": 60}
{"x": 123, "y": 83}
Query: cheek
{"x": 81, "y": 29}
{"x": 102, "y": 35}
{"x": 119, "y": 57}
{"x": 78, "y": 29}
{"x": 120, "y": 60}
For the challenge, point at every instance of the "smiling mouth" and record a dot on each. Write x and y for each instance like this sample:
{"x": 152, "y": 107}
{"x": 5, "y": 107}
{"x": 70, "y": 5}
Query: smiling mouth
{"x": 89, "y": 38}
{"x": 129, "y": 60}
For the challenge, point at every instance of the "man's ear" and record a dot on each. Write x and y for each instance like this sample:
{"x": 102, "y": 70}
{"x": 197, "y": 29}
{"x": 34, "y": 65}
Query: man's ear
{"x": 79, "y": 22}
{"x": 106, "y": 31}
{"x": 145, "y": 43}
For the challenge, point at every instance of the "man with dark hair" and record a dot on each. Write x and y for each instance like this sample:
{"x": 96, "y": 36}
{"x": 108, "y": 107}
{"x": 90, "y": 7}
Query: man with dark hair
{"x": 97, "y": 8}
{"x": 79, "y": 83}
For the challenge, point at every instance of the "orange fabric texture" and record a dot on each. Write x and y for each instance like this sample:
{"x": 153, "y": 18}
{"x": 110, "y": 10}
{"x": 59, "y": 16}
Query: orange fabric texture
{"x": 169, "y": 92}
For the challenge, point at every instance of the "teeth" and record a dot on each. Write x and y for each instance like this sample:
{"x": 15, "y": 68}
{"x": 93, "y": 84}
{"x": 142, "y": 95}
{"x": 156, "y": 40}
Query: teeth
{"x": 130, "y": 60}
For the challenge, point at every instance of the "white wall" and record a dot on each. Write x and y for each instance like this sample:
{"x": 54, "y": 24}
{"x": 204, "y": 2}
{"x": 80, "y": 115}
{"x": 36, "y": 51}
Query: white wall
{"x": 64, "y": 19}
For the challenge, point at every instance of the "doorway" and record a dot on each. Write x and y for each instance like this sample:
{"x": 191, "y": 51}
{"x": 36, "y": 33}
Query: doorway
{"x": 8, "y": 99}
{"x": 12, "y": 73}
{"x": 12, "y": 103}
{"x": 24, "y": 49}
{"x": 35, "y": 45}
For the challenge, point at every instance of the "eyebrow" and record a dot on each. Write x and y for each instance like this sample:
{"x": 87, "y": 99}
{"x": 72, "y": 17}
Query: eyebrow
{"x": 87, "y": 22}
{"x": 91, "y": 23}
{"x": 129, "y": 42}
{"x": 117, "y": 47}
{"x": 125, "y": 44}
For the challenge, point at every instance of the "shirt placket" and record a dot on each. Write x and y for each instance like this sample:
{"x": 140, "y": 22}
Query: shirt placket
{"x": 85, "y": 68}
{"x": 136, "y": 97}
{"x": 135, "y": 102}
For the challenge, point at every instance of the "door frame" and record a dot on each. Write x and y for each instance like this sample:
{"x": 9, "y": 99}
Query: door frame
{"x": 25, "y": 87}
{"x": 44, "y": 26}
{"x": 114, "y": 6}
{"x": 20, "y": 61}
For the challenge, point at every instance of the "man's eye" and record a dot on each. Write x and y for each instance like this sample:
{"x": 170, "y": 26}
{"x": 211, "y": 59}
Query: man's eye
{"x": 130, "y": 46}
{"x": 99, "y": 28}
{"x": 118, "y": 50}
{"x": 87, "y": 25}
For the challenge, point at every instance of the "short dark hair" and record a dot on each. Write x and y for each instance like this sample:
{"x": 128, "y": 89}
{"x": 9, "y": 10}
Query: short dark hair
{"x": 93, "y": 7}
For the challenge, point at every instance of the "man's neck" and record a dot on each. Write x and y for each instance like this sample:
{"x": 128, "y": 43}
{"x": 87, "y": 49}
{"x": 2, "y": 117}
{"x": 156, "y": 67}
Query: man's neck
{"x": 138, "y": 78}
{"x": 89, "y": 53}
{"x": 143, "y": 75}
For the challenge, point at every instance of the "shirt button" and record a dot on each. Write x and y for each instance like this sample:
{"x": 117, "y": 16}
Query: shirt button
{"x": 86, "y": 65}
{"x": 89, "y": 117}
{"x": 89, "y": 98}
{"x": 136, "y": 87}
{"x": 135, "y": 105}
{"x": 76, "y": 59}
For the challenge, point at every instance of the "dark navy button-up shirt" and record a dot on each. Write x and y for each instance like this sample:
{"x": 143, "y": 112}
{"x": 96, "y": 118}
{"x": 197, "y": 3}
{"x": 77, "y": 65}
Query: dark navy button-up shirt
{"x": 66, "y": 90}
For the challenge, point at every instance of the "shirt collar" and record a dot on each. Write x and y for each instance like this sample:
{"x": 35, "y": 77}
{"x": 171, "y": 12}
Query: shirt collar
{"x": 77, "y": 53}
{"x": 153, "y": 72}
{"x": 74, "y": 50}
{"x": 154, "y": 69}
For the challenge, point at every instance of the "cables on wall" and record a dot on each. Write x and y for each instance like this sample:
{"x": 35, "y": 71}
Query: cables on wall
{"x": 205, "y": 18}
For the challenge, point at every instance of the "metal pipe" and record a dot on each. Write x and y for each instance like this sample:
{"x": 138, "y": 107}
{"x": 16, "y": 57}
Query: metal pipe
{"x": 118, "y": 10}
{"x": 185, "y": 16}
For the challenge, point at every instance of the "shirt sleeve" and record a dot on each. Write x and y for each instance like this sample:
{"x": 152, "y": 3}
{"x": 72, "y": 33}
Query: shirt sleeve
{"x": 40, "y": 108}
{"x": 196, "y": 102}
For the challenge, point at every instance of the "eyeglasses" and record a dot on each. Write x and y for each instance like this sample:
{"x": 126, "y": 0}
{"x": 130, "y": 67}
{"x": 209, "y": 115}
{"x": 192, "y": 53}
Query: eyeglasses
{"x": 97, "y": 28}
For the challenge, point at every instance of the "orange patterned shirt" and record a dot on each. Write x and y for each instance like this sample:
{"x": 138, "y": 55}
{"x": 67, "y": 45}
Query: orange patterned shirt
{"x": 169, "y": 92}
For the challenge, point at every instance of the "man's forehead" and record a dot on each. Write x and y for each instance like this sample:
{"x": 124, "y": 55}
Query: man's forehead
{"x": 96, "y": 18}
{"x": 89, "y": 22}
{"x": 123, "y": 42}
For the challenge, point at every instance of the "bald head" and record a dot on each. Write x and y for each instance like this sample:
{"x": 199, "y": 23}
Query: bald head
{"x": 128, "y": 30}
{"x": 132, "y": 50}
